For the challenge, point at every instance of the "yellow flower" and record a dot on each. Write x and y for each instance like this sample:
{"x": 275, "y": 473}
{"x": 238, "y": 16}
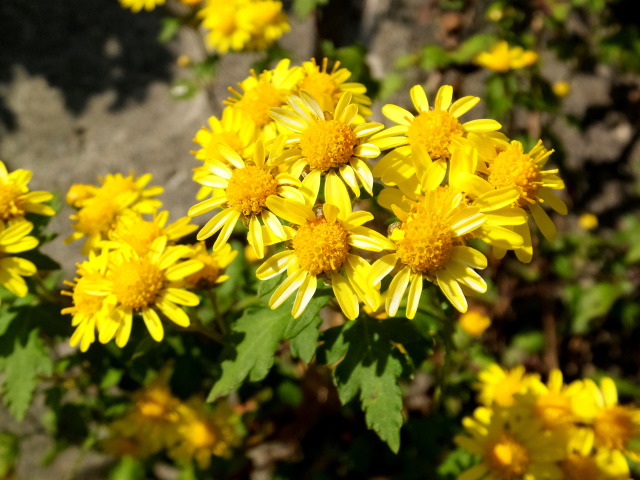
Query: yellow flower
{"x": 143, "y": 284}
{"x": 115, "y": 185}
{"x": 15, "y": 198}
{"x": 14, "y": 238}
{"x": 474, "y": 322}
{"x": 214, "y": 264}
{"x": 499, "y": 387}
{"x": 225, "y": 31}
{"x": 583, "y": 463}
{"x": 328, "y": 144}
{"x": 262, "y": 92}
{"x": 588, "y": 221}
{"x": 327, "y": 87}
{"x": 242, "y": 189}
{"x": 132, "y": 230}
{"x": 510, "y": 448}
{"x": 268, "y": 22}
{"x": 502, "y": 58}
{"x": 430, "y": 244}
{"x": 511, "y": 167}
{"x": 561, "y": 89}
{"x": 321, "y": 247}
{"x": 205, "y": 432}
{"x": 137, "y": 5}
{"x": 436, "y": 130}
{"x": 616, "y": 427}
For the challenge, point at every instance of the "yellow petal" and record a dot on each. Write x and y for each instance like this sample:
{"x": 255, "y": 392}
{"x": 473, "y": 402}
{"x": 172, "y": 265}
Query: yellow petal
{"x": 287, "y": 287}
{"x": 345, "y": 295}
{"x": 451, "y": 290}
{"x": 397, "y": 114}
{"x": 291, "y": 211}
{"x": 336, "y": 193}
{"x": 153, "y": 323}
{"x": 413, "y": 298}
{"x": 397, "y": 287}
{"x": 305, "y": 294}
{"x": 381, "y": 268}
{"x": 443, "y": 97}
{"x": 274, "y": 265}
{"x": 419, "y": 98}
{"x": 545, "y": 224}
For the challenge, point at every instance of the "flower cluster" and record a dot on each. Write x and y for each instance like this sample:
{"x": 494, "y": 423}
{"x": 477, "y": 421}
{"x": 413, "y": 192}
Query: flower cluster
{"x": 502, "y": 58}
{"x": 293, "y": 151}
{"x": 187, "y": 430}
{"x": 527, "y": 429}
{"x": 16, "y": 202}
{"x": 135, "y": 266}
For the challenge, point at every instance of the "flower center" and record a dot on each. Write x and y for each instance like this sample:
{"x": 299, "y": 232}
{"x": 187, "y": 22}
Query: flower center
{"x": 614, "y": 427}
{"x": 514, "y": 168}
{"x": 206, "y": 277}
{"x": 577, "y": 467}
{"x": 328, "y": 144}
{"x": 11, "y": 202}
{"x": 258, "y": 100}
{"x": 322, "y": 87}
{"x": 508, "y": 459}
{"x": 138, "y": 234}
{"x": 321, "y": 247}
{"x": 434, "y": 130}
{"x": 96, "y": 216}
{"x": 231, "y": 139}
{"x": 116, "y": 185}
{"x": 427, "y": 242}
{"x": 554, "y": 409}
{"x": 201, "y": 434}
{"x": 249, "y": 188}
{"x": 137, "y": 283}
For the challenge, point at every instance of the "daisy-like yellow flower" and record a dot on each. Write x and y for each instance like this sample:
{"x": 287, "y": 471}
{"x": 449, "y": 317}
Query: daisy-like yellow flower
{"x": 143, "y": 285}
{"x": 437, "y": 130}
{"x": 510, "y": 448}
{"x": 136, "y": 5}
{"x": 328, "y": 144}
{"x": 15, "y": 238}
{"x": 204, "y": 432}
{"x": 268, "y": 22}
{"x": 474, "y": 322}
{"x": 225, "y": 30}
{"x": 132, "y": 230}
{"x": 15, "y": 198}
{"x": 429, "y": 243}
{"x": 260, "y": 93}
{"x": 322, "y": 246}
{"x": 584, "y": 463}
{"x": 242, "y": 189}
{"x": 512, "y": 167}
{"x": 327, "y": 87}
{"x": 616, "y": 427}
{"x": 115, "y": 185}
{"x": 214, "y": 264}
{"x": 499, "y": 387}
{"x": 502, "y": 58}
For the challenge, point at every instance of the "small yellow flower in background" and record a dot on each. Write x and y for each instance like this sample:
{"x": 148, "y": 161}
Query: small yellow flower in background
{"x": 15, "y": 238}
{"x": 204, "y": 431}
{"x": 561, "y": 89}
{"x": 268, "y": 20}
{"x": 136, "y": 5}
{"x": 15, "y": 198}
{"x": 474, "y": 322}
{"x": 588, "y": 221}
{"x": 183, "y": 60}
{"x": 502, "y": 58}
{"x": 214, "y": 263}
{"x": 498, "y": 387}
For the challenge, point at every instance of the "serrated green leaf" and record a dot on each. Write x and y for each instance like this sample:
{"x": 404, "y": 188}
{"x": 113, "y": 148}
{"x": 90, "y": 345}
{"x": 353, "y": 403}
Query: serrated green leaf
{"x": 303, "y": 345}
{"x": 369, "y": 368}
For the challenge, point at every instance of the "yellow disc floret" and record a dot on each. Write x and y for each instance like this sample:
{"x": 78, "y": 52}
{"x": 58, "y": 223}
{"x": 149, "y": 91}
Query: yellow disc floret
{"x": 137, "y": 283}
{"x": 508, "y": 459}
{"x": 258, "y": 100}
{"x": 614, "y": 427}
{"x": 434, "y": 130}
{"x": 319, "y": 85}
{"x": 96, "y": 216}
{"x": 328, "y": 144}
{"x": 554, "y": 409}
{"x": 425, "y": 242}
{"x": 249, "y": 189}
{"x": 11, "y": 201}
{"x": 512, "y": 167}
{"x": 321, "y": 247}
{"x": 139, "y": 234}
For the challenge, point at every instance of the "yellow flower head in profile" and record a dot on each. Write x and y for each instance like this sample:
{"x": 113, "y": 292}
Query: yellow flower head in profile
{"x": 616, "y": 427}
{"x": 214, "y": 263}
{"x": 136, "y": 5}
{"x": 204, "y": 432}
{"x": 323, "y": 246}
{"x": 328, "y": 144}
{"x": 437, "y": 130}
{"x": 143, "y": 285}
{"x": 242, "y": 189}
{"x": 510, "y": 448}
{"x": 499, "y": 387}
{"x": 260, "y": 93}
{"x": 15, "y": 238}
{"x": 327, "y": 87}
{"x": 429, "y": 243}
{"x": 502, "y": 58}
{"x": 131, "y": 230}
{"x": 512, "y": 167}
{"x": 474, "y": 322}
{"x": 15, "y": 198}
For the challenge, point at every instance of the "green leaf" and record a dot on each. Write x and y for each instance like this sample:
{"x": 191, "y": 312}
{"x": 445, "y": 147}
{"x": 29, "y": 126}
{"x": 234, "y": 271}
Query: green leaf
{"x": 369, "y": 368}
{"x": 128, "y": 468}
{"x": 303, "y": 345}
{"x": 169, "y": 29}
{"x": 592, "y": 302}
{"x": 9, "y": 450}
